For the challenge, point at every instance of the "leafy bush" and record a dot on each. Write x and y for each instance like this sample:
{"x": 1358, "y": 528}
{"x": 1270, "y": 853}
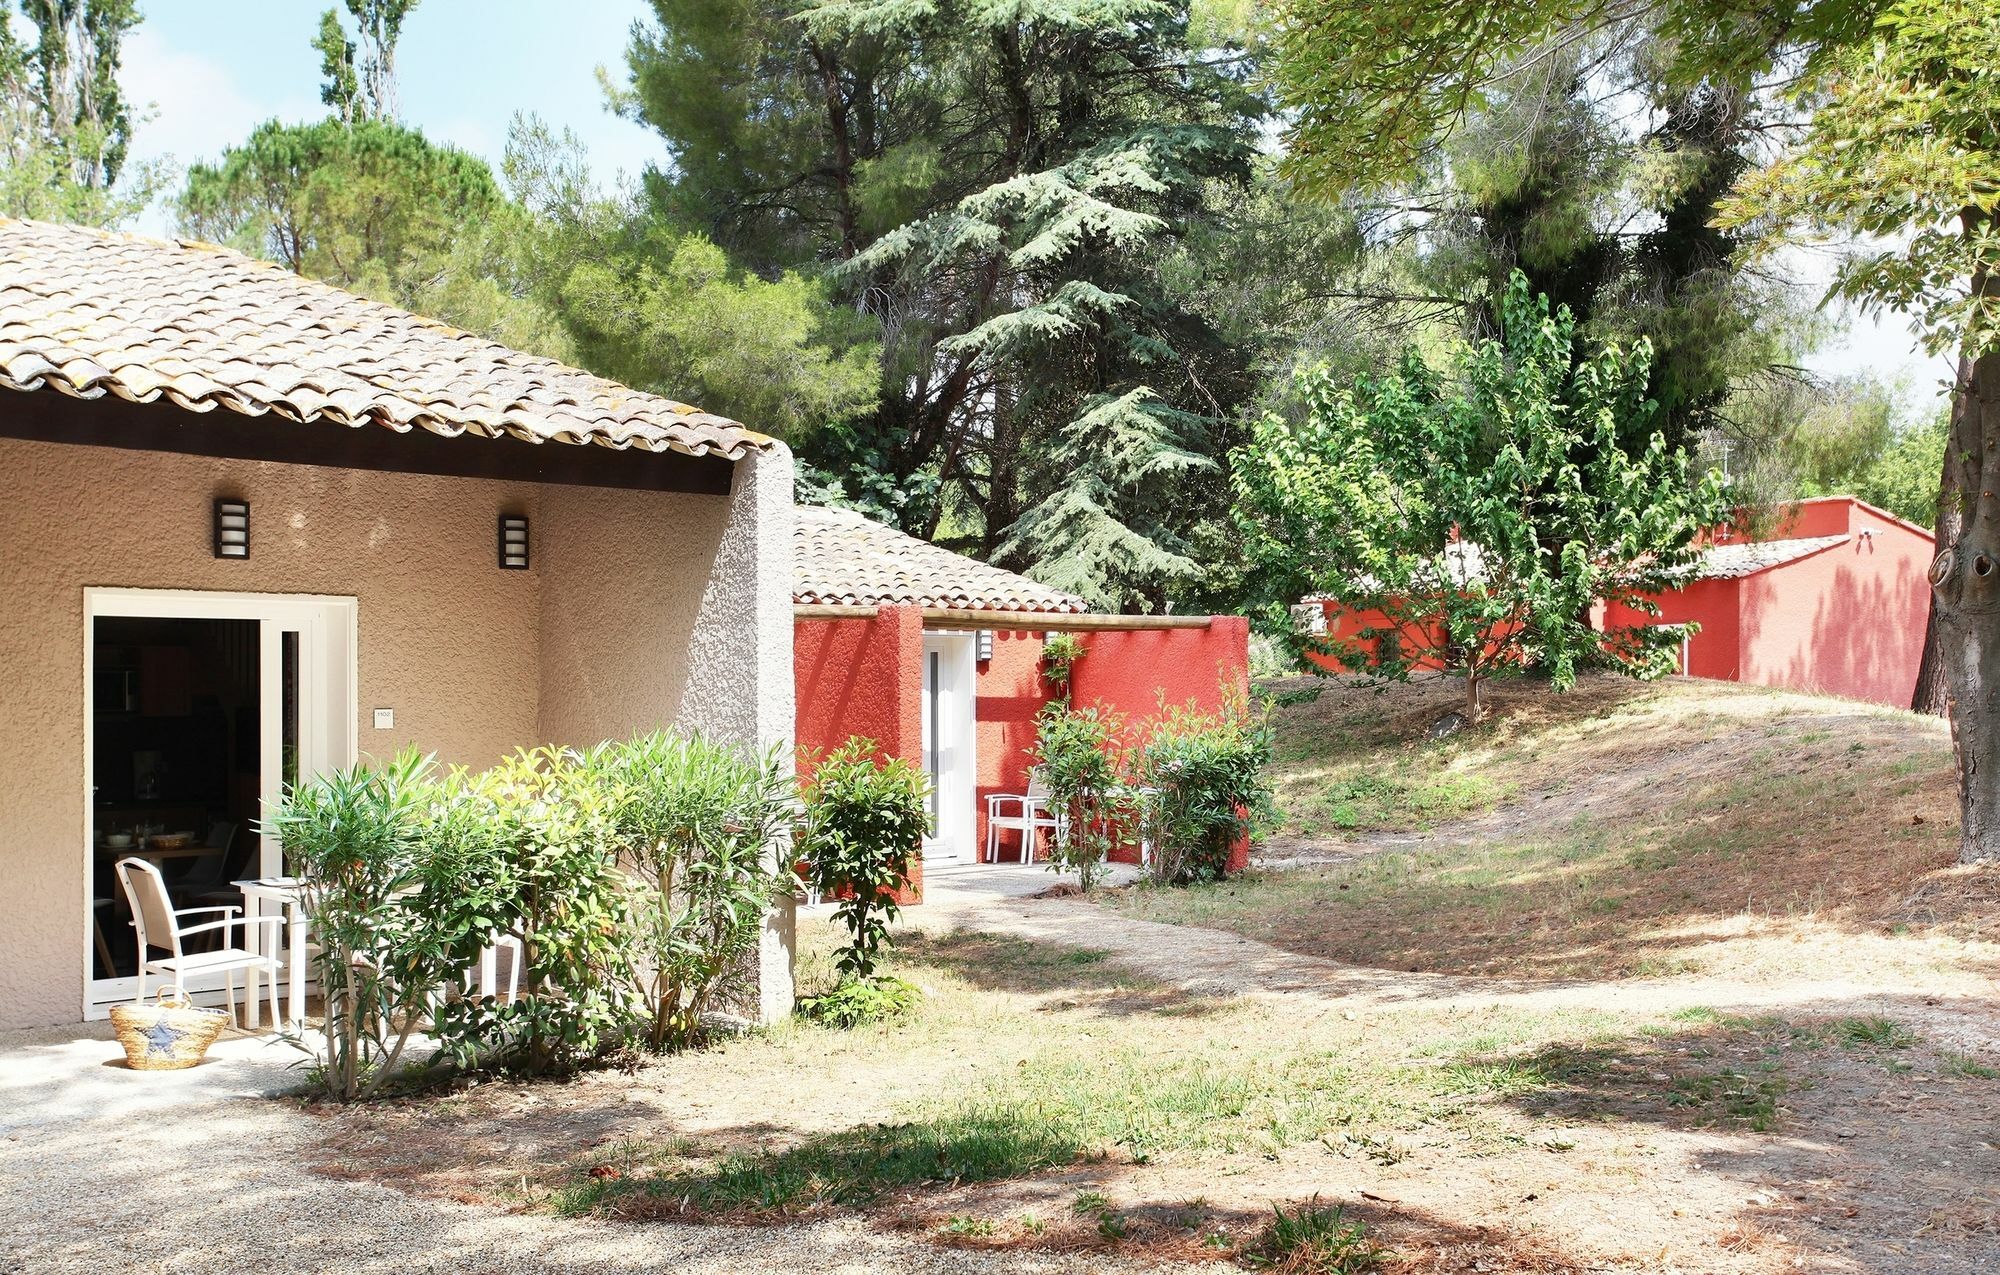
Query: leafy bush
{"x": 857, "y": 1002}
{"x": 694, "y": 824}
{"x": 570, "y": 905}
{"x": 864, "y": 825}
{"x": 634, "y": 877}
{"x": 352, "y": 839}
{"x": 1059, "y": 658}
{"x": 1207, "y": 773}
{"x": 1076, "y": 751}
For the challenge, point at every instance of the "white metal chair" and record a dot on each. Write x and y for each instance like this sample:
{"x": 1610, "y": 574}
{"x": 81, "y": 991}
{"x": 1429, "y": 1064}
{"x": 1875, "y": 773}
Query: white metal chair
{"x": 1032, "y": 815}
{"x": 162, "y": 926}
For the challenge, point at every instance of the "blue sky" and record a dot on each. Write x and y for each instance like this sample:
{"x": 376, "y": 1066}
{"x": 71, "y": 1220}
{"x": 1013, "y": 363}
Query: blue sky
{"x": 214, "y": 69}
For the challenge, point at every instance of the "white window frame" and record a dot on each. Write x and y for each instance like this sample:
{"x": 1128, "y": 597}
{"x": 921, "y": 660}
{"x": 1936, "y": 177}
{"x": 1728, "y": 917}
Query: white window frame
{"x": 329, "y": 695}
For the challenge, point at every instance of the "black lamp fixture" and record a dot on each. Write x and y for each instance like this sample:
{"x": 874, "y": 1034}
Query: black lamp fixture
{"x": 513, "y": 542}
{"x": 232, "y": 528}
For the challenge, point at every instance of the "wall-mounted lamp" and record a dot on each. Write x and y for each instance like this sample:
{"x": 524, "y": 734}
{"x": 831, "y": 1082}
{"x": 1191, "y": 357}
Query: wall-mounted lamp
{"x": 513, "y": 542}
{"x": 985, "y": 645}
{"x": 232, "y": 528}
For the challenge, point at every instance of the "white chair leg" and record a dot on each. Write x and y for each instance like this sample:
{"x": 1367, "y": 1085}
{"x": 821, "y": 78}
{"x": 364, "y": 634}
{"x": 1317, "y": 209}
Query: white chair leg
{"x": 229, "y": 992}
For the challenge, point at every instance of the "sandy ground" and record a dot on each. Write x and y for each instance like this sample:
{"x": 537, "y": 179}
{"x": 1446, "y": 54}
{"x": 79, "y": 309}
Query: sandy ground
{"x": 105, "y": 1169}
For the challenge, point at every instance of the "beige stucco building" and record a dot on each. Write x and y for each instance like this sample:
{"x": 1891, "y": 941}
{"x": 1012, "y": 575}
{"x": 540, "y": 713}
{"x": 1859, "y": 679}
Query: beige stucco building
{"x": 159, "y": 670}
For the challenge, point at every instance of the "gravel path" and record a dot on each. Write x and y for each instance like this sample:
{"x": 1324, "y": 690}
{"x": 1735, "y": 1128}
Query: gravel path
{"x": 104, "y": 1169}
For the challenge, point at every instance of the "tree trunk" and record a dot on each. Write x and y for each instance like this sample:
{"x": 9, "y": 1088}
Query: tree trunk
{"x": 1475, "y": 685}
{"x": 1965, "y": 579}
{"x": 1931, "y": 694}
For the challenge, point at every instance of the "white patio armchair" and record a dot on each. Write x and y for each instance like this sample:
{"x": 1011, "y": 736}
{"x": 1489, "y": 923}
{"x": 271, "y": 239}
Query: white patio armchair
{"x": 1030, "y": 814}
{"x": 163, "y": 927}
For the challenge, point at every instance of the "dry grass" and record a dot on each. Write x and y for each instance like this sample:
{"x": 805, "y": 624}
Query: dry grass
{"x": 1044, "y": 1098}
{"x": 1047, "y": 1097}
{"x": 1687, "y": 828}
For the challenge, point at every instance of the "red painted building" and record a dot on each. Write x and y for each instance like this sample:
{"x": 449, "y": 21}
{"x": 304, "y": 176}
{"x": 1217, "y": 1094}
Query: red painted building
{"x": 937, "y": 657}
{"x": 1832, "y": 600}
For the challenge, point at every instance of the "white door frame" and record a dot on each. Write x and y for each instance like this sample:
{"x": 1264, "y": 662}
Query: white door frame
{"x": 950, "y": 709}
{"x": 328, "y": 705}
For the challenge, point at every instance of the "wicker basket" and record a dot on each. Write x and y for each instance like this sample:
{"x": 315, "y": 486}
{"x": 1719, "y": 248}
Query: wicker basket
{"x": 168, "y": 1034}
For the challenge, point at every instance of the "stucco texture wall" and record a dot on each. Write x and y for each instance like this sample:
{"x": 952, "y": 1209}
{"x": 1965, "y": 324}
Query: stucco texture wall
{"x": 1849, "y": 620}
{"x": 597, "y": 639}
{"x": 862, "y": 677}
{"x": 1133, "y": 673}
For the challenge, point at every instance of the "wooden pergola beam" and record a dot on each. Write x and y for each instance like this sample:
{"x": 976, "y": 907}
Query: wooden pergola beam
{"x": 1033, "y": 621}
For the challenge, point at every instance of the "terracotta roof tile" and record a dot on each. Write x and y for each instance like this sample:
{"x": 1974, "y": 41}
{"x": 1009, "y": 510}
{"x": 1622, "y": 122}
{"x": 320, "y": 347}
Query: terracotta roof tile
{"x": 88, "y": 313}
{"x": 843, "y": 559}
{"x": 1730, "y": 562}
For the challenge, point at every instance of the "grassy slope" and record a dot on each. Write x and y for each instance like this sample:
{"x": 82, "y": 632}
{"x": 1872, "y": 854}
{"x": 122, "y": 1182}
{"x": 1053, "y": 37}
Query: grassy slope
{"x": 1615, "y": 830}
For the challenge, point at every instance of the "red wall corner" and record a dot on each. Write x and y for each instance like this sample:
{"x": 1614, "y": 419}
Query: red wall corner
{"x": 861, "y": 677}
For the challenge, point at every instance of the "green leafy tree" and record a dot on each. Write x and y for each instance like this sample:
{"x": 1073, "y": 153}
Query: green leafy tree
{"x": 1903, "y": 479}
{"x": 65, "y": 123}
{"x": 664, "y": 309}
{"x": 1486, "y": 514}
{"x": 356, "y": 205}
{"x": 1000, "y": 188}
{"x": 1905, "y": 148}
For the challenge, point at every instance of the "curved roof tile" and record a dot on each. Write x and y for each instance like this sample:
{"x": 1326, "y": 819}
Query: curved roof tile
{"x": 89, "y": 312}
{"x": 843, "y": 559}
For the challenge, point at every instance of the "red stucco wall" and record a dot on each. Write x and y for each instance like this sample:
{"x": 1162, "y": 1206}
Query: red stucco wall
{"x": 862, "y": 677}
{"x": 1716, "y": 651}
{"x": 1846, "y": 621}
{"x": 865, "y": 677}
{"x": 1130, "y": 672}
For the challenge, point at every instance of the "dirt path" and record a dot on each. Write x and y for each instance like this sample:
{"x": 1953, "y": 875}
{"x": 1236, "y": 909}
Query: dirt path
{"x": 1216, "y": 963}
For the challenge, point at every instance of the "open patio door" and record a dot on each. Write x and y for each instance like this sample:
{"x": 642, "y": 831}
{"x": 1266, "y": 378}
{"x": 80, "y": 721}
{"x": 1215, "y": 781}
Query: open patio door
{"x": 200, "y": 711}
{"x": 950, "y": 761}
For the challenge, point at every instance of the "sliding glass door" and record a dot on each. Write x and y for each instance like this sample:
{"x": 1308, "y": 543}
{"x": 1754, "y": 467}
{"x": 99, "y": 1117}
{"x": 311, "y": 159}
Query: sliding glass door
{"x": 200, "y": 710}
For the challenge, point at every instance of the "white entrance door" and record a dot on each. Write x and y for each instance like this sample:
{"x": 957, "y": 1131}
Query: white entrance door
{"x": 305, "y": 671}
{"x": 950, "y": 673}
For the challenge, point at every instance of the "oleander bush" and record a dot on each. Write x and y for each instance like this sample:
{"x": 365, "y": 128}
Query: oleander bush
{"x": 630, "y": 879}
{"x": 1207, "y": 790}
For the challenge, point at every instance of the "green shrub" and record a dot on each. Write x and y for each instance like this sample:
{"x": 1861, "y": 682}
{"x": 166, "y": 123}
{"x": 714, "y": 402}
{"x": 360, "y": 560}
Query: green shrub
{"x": 1313, "y": 1240}
{"x": 1077, "y": 752}
{"x": 634, "y": 876}
{"x": 695, "y": 823}
{"x": 571, "y": 906}
{"x": 864, "y": 825}
{"x": 859, "y": 1002}
{"x": 1207, "y": 774}
{"x": 1059, "y": 659}
{"x": 353, "y": 840}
